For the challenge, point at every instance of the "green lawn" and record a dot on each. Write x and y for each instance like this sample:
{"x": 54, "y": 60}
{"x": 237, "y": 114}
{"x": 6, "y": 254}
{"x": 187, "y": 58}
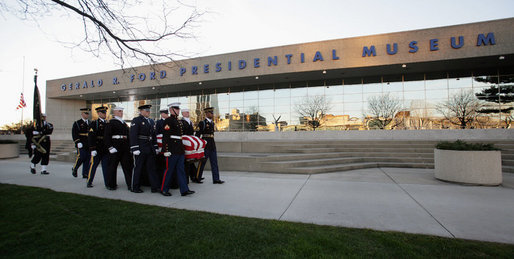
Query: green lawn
{"x": 38, "y": 222}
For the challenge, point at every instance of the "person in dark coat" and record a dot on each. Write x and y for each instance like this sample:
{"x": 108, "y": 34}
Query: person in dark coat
{"x": 40, "y": 144}
{"x": 143, "y": 144}
{"x": 174, "y": 152}
{"x": 206, "y": 131}
{"x": 189, "y": 130}
{"x": 99, "y": 152}
{"x": 116, "y": 137}
{"x": 160, "y": 162}
{"x": 79, "y": 133}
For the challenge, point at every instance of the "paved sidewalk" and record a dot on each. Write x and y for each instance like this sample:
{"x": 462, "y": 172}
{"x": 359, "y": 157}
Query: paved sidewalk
{"x": 397, "y": 199}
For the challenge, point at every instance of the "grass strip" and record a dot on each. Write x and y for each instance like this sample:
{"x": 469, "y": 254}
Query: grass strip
{"x": 40, "y": 223}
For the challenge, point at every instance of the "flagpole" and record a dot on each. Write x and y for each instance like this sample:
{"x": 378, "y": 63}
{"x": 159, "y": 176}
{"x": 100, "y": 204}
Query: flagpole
{"x": 22, "y": 91}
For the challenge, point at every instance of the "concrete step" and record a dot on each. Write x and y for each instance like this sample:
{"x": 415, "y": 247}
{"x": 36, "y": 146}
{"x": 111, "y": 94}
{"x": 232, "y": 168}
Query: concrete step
{"x": 358, "y": 145}
{"x": 329, "y": 168}
{"x": 345, "y": 160}
{"x": 387, "y": 150}
{"x": 353, "y": 166}
{"x": 508, "y": 169}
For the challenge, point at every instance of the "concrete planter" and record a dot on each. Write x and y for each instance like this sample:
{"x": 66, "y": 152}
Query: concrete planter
{"x": 9, "y": 150}
{"x": 468, "y": 167}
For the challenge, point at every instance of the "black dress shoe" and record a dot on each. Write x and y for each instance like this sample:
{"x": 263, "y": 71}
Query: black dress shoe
{"x": 74, "y": 173}
{"x": 201, "y": 178}
{"x": 84, "y": 176}
{"x": 33, "y": 170}
{"x": 137, "y": 191}
{"x": 111, "y": 188}
{"x": 197, "y": 181}
{"x": 166, "y": 193}
{"x": 89, "y": 185}
{"x": 187, "y": 193}
{"x": 155, "y": 190}
{"x": 45, "y": 172}
{"x": 218, "y": 182}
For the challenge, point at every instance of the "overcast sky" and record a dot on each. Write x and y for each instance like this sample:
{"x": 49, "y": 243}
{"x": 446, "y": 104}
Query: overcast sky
{"x": 229, "y": 26}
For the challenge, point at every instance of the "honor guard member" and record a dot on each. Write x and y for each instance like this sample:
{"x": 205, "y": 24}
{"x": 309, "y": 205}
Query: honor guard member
{"x": 206, "y": 131}
{"x": 41, "y": 145}
{"x": 99, "y": 152}
{"x": 174, "y": 152}
{"x": 143, "y": 145}
{"x": 189, "y": 130}
{"x": 79, "y": 133}
{"x": 116, "y": 140}
{"x": 160, "y": 163}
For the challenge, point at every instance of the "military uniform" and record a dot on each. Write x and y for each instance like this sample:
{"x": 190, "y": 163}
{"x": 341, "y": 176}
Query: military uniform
{"x": 98, "y": 147}
{"x": 143, "y": 145}
{"x": 206, "y": 132}
{"x": 79, "y": 133}
{"x": 174, "y": 153}
{"x": 40, "y": 139}
{"x": 160, "y": 162}
{"x": 116, "y": 140}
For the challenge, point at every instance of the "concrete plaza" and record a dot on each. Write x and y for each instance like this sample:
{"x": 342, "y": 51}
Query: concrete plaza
{"x": 391, "y": 199}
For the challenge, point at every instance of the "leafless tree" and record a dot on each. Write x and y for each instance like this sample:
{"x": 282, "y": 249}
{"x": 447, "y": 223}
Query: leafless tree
{"x": 461, "y": 108}
{"x": 313, "y": 109}
{"x": 383, "y": 109}
{"x": 122, "y": 28}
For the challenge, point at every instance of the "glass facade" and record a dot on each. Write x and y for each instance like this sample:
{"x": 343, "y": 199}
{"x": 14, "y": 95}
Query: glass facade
{"x": 420, "y": 101}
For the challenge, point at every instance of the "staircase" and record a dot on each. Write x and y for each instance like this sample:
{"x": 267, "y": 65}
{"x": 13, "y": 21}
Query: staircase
{"x": 322, "y": 157}
{"x": 314, "y": 157}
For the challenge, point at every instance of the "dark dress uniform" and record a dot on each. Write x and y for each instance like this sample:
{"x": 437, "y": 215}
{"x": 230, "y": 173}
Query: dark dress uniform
{"x": 190, "y": 167}
{"x": 41, "y": 137}
{"x": 206, "y": 132}
{"x": 142, "y": 139}
{"x": 160, "y": 162}
{"x": 79, "y": 133}
{"x": 116, "y": 140}
{"x": 172, "y": 143}
{"x": 96, "y": 143}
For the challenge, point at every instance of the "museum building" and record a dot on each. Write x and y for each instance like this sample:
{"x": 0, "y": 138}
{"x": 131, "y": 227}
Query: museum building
{"x": 417, "y": 79}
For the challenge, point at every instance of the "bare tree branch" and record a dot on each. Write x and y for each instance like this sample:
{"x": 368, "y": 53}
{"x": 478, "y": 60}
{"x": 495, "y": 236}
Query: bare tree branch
{"x": 383, "y": 109}
{"x": 109, "y": 26}
{"x": 461, "y": 108}
{"x": 313, "y": 109}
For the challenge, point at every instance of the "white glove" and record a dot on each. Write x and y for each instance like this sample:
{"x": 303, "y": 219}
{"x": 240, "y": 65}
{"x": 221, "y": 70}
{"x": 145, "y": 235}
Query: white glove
{"x": 112, "y": 150}
{"x": 93, "y": 153}
{"x": 136, "y": 153}
{"x": 167, "y": 154}
{"x": 35, "y": 132}
{"x": 157, "y": 151}
{"x": 79, "y": 145}
{"x": 33, "y": 146}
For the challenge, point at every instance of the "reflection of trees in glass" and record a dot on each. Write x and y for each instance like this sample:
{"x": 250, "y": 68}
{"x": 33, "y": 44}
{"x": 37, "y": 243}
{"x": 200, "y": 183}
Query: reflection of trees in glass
{"x": 461, "y": 108}
{"x": 312, "y": 110}
{"x": 383, "y": 109}
{"x": 500, "y": 94}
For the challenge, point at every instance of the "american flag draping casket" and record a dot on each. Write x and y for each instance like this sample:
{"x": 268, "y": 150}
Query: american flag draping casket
{"x": 194, "y": 147}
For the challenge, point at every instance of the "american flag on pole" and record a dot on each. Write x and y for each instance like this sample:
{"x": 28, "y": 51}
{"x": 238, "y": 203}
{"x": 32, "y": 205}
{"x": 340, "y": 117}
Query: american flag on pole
{"x": 22, "y": 103}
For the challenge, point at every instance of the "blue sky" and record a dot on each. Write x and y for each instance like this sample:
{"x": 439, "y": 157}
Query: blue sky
{"x": 229, "y": 26}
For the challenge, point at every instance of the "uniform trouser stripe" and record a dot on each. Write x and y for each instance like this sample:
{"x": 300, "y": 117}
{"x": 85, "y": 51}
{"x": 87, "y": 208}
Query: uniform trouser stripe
{"x": 76, "y": 159}
{"x": 133, "y": 171}
{"x": 90, "y": 168}
{"x": 164, "y": 177}
{"x": 198, "y": 170}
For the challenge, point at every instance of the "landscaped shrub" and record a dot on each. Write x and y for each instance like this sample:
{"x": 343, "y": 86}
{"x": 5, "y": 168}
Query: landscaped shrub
{"x": 461, "y": 145}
